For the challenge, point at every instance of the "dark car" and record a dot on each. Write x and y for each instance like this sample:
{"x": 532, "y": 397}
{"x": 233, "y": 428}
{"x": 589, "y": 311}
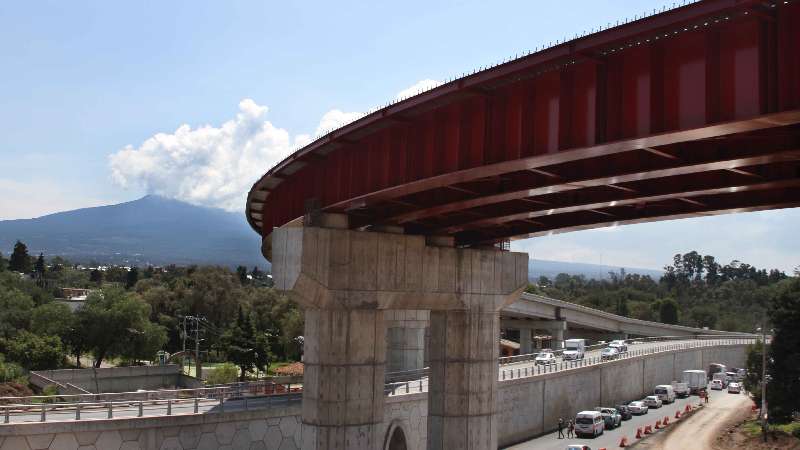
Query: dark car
{"x": 624, "y": 412}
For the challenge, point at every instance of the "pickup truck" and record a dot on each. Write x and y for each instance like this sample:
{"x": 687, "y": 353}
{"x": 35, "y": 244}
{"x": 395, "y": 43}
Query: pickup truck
{"x": 681, "y": 389}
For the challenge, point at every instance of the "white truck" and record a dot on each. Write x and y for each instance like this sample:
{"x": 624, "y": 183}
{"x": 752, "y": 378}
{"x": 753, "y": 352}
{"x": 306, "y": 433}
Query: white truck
{"x": 574, "y": 349}
{"x": 695, "y": 379}
{"x": 681, "y": 389}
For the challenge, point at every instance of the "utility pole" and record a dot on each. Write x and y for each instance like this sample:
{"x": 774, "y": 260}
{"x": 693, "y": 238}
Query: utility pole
{"x": 183, "y": 355}
{"x": 764, "y": 382}
{"x": 198, "y": 367}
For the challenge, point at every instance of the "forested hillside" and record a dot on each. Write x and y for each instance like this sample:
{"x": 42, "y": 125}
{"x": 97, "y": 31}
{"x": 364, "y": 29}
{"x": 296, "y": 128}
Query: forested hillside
{"x": 695, "y": 290}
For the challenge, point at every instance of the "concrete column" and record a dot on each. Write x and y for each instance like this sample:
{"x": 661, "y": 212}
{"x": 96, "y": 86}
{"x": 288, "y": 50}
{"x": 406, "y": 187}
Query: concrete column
{"x": 405, "y": 339}
{"x": 344, "y": 279}
{"x": 558, "y": 338}
{"x": 463, "y": 380}
{"x": 525, "y": 341}
{"x": 343, "y": 378}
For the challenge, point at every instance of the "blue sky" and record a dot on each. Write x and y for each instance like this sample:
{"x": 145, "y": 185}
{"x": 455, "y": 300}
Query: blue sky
{"x": 94, "y": 95}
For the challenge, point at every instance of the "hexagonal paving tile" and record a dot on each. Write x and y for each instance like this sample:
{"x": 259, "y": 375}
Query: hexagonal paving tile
{"x": 15, "y": 443}
{"x": 241, "y": 439}
{"x": 225, "y": 432}
{"x": 87, "y": 437}
{"x": 288, "y": 444}
{"x": 87, "y": 447}
{"x": 64, "y": 441}
{"x": 40, "y": 441}
{"x": 273, "y": 438}
{"x": 132, "y": 445}
{"x": 109, "y": 440}
{"x": 171, "y": 443}
{"x": 190, "y": 436}
{"x": 258, "y": 446}
{"x": 208, "y": 441}
{"x": 258, "y": 428}
{"x": 288, "y": 425}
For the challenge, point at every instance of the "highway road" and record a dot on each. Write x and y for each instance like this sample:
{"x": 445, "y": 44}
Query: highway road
{"x": 611, "y": 438}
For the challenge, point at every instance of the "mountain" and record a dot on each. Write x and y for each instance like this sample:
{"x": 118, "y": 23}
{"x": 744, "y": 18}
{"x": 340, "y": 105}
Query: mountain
{"x": 152, "y": 230}
{"x": 158, "y": 231}
{"x": 550, "y": 269}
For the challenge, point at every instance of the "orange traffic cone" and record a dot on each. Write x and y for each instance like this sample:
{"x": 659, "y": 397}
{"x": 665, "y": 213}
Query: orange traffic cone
{"x": 658, "y": 424}
{"x": 688, "y": 408}
{"x": 678, "y": 414}
{"x": 647, "y": 429}
{"x": 624, "y": 442}
{"x": 639, "y": 433}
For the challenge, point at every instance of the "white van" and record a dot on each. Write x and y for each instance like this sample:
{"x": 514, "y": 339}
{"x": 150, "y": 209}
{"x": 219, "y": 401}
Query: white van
{"x": 665, "y": 392}
{"x": 589, "y": 423}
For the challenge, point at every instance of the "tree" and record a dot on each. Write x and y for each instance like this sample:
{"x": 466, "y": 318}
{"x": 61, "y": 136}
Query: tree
{"x": 15, "y": 311}
{"x": 96, "y": 277}
{"x": 111, "y": 319}
{"x": 145, "y": 342}
{"x": 3, "y": 263}
{"x": 20, "y": 261}
{"x": 35, "y": 352}
{"x": 54, "y": 318}
{"x": 241, "y": 272}
{"x": 668, "y": 311}
{"x": 752, "y": 381}
{"x": 39, "y": 268}
{"x": 132, "y": 277}
{"x": 704, "y": 316}
{"x": 622, "y": 306}
{"x": 244, "y": 347}
{"x": 783, "y": 389}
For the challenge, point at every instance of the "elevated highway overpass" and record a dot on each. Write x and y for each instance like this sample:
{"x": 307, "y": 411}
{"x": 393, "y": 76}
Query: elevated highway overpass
{"x": 689, "y": 112}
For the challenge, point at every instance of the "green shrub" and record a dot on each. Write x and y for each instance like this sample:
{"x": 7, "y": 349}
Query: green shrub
{"x": 223, "y": 373}
{"x": 10, "y": 372}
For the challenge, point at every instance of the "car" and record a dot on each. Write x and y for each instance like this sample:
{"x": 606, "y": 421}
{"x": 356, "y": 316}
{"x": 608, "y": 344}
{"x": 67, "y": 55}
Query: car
{"x": 611, "y": 417}
{"x": 716, "y": 385}
{"x": 638, "y": 408}
{"x": 545, "y": 358}
{"x": 652, "y": 401}
{"x": 624, "y": 412}
{"x": 609, "y": 353}
{"x": 621, "y": 346}
{"x": 734, "y": 388}
{"x": 578, "y": 447}
{"x": 589, "y": 423}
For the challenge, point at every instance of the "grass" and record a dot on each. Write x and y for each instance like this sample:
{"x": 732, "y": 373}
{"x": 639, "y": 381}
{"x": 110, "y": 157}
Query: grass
{"x": 753, "y": 427}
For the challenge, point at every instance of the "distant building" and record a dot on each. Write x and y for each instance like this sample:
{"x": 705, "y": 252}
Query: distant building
{"x": 74, "y": 297}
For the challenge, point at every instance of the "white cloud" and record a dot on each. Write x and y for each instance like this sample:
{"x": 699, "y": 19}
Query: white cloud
{"x": 216, "y": 166}
{"x": 212, "y": 166}
{"x": 419, "y": 86}
{"x": 335, "y": 119}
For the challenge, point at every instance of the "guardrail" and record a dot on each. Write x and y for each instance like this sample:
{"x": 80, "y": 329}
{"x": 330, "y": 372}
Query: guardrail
{"x": 236, "y": 396}
{"x": 420, "y": 385}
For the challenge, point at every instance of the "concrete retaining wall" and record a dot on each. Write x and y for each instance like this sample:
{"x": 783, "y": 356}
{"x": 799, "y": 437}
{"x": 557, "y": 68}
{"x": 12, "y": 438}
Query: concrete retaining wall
{"x": 529, "y": 407}
{"x": 273, "y": 429}
{"x": 123, "y": 379}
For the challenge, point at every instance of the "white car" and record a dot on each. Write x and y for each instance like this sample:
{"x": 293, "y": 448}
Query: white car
{"x": 545, "y": 358}
{"x": 638, "y": 408}
{"x": 734, "y": 388}
{"x": 578, "y": 447}
{"x": 716, "y": 385}
{"x": 609, "y": 353}
{"x": 652, "y": 401}
{"x": 621, "y": 346}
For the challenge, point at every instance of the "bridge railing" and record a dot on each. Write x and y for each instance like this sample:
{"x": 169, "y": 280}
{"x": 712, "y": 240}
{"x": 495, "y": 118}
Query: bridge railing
{"x": 235, "y": 397}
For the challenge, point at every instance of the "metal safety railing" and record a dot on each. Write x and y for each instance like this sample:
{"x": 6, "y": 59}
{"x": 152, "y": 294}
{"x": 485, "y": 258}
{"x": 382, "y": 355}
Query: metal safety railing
{"x": 232, "y": 397}
{"x": 528, "y": 370}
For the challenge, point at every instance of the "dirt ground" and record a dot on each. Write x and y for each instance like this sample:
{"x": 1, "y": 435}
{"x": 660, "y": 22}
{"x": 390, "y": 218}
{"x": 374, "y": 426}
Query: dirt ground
{"x": 734, "y": 437}
{"x": 700, "y": 431}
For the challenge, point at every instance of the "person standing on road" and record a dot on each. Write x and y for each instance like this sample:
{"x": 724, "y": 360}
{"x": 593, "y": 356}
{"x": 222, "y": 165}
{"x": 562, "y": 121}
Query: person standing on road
{"x": 570, "y": 429}
{"x": 560, "y": 428}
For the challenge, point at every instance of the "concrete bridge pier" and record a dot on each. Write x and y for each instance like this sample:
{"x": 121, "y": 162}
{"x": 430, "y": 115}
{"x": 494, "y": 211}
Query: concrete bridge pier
{"x": 345, "y": 280}
{"x": 406, "y": 339}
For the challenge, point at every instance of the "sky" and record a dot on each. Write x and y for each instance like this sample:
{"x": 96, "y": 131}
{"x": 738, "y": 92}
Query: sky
{"x": 103, "y": 102}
